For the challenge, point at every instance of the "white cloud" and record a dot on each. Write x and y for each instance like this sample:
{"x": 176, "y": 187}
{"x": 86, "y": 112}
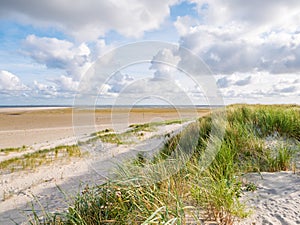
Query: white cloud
{"x": 61, "y": 54}
{"x": 256, "y": 52}
{"x": 260, "y": 86}
{"x": 252, "y": 13}
{"x": 238, "y": 36}
{"x": 44, "y": 90}
{"x": 162, "y": 70}
{"x": 61, "y": 87}
{"x": 87, "y": 20}
{"x": 184, "y": 24}
{"x": 66, "y": 84}
{"x": 118, "y": 81}
{"x": 10, "y": 84}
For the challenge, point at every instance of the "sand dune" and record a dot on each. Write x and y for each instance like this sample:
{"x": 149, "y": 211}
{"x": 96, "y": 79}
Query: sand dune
{"x": 277, "y": 200}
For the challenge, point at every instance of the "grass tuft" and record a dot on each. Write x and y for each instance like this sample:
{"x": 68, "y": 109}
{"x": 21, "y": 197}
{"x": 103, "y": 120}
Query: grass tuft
{"x": 38, "y": 158}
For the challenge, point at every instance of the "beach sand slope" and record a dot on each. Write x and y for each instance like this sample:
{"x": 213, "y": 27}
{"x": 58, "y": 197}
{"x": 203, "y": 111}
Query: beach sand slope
{"x": 277, "y": 199}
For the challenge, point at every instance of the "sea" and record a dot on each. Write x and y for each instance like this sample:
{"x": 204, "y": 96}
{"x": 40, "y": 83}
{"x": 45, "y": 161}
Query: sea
{"x": 111, "y": 106}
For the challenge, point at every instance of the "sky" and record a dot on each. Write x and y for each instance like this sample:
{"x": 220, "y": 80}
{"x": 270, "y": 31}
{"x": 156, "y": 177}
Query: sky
{"x": 252, "y": 49}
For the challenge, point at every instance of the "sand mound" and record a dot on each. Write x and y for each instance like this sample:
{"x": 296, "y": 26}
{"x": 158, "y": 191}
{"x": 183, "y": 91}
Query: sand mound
{"x": 277, "y": 199}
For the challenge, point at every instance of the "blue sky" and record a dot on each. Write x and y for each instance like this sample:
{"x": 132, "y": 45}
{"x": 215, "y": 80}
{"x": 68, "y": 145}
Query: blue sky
{"x": 47, "y": 46}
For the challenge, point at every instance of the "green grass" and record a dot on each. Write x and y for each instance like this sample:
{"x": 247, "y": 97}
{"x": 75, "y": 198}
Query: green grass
{"x": 46, "y": 156}
{"x": 135, "y": 131}
{"x": 256, "y": 138}
{"x": 9, "y": 150}
{"x": 38, "y": 158}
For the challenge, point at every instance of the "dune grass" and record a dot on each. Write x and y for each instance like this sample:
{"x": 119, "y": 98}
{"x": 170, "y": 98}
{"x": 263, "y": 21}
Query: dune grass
{"x": 9, "y": 150}
{"x": 128, "y": 136}
{"x": 38, "y": 158}
{"x": 46, "y": 156}
{"x": 257, "y": 138}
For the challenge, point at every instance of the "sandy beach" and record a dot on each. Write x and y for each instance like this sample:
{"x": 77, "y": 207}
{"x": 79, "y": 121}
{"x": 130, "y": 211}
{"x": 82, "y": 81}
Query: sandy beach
{"x": 31, "y": 126}
{"x": 40, "y": 128}
{"x": 276, "y": 200}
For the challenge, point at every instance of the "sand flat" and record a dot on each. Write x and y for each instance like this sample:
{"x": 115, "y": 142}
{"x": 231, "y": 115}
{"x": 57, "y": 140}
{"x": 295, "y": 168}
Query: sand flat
{"x": 29, "y": 126}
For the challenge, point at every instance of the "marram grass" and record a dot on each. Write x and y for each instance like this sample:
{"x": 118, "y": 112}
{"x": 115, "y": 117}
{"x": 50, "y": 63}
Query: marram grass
{"x": 257, "y": 138}
{"x": 42, "y": 157}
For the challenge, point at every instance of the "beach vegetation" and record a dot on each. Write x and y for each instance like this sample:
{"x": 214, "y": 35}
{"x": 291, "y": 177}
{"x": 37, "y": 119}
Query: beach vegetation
{"x": 38, "y": 158}
{"x": 256, "y": 138}
{"x": 9, "y": 150}
{"x": 129, "y": 136}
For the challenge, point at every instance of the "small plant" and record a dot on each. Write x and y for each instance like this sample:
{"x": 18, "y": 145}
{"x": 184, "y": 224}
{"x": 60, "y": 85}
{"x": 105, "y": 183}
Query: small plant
{"x": 140, "y": 160}
{"x": 8, "y": 150}
{"x": 282, "y": 160}
{"x": 250, "y": 187}
{"x": 111, "y": 138}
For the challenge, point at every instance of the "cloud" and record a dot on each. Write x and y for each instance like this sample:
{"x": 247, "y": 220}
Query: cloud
{"x": 237, "y": 36}
{"x": 63, "y": 87}
{"x": 118, "y": 81}
{"x": 44, "y": 90}
{"x": 162, "y": 70}
{"x": 259, "y": 86}
{"x": 223, "y": 82}
{"x": 253, "y": 13}
{"x": 243, "y": 82}
{"x": 286, "y": 87}
{"x": 10, "y": 84}
{"x": 289, "y": 89}
{"x": 236, "y": 79}
{"x": 90, "y": 19}
{"x": 162, "y": 90}
{"x": 66, "y": 84}
{"x": 130, "y": 89}
{"x": 61, "y": 54}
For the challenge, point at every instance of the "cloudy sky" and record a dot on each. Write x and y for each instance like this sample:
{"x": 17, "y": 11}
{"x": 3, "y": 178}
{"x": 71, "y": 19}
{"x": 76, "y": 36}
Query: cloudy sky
{"x": 251, "y": 47}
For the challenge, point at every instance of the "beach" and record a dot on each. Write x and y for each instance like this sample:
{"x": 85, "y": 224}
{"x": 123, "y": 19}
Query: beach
{"x": 33, "y": 129}
{"x": 276, "y": 200}
{"x": 51, "y": 187}
{"x": 31, "y": 126}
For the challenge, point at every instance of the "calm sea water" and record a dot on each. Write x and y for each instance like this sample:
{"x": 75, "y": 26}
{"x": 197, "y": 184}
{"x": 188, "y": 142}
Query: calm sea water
{"x": 112, "y": 106}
